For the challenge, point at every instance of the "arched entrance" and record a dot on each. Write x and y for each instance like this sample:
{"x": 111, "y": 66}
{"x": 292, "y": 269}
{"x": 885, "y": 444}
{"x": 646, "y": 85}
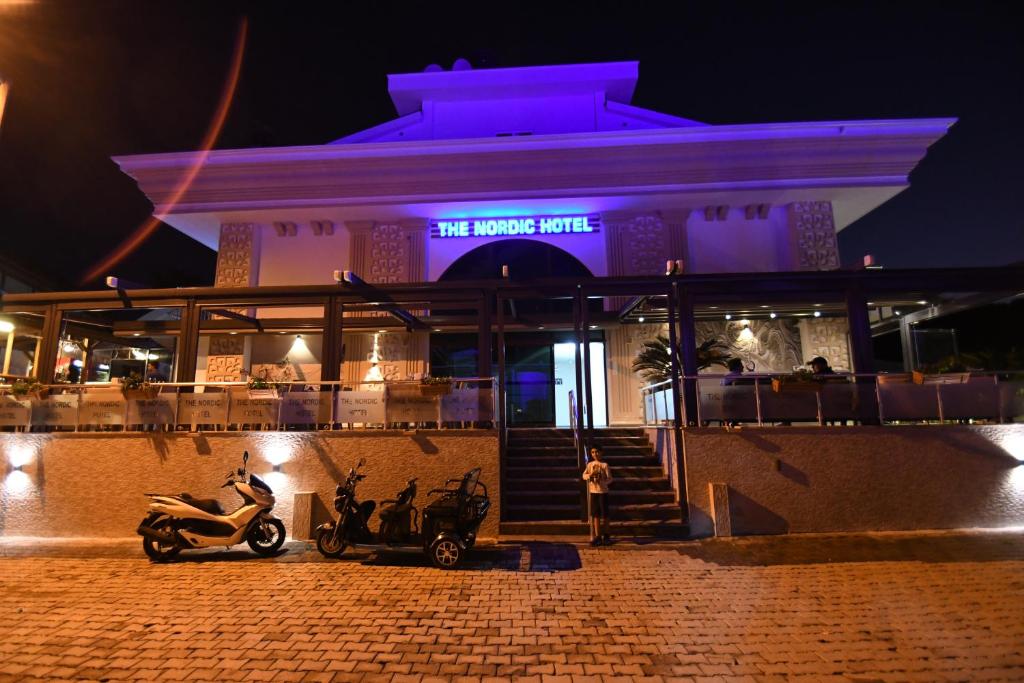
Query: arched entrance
{"x": 540, "y": 364}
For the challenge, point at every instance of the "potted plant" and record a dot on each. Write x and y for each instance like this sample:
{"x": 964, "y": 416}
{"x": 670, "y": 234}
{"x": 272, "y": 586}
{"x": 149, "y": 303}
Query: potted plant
{"x": 23, "y": 387}
{"x": 801, "y": 379}
{"x": 135, "y": 387}
{"x": 435, "y": 386}
{"x": 949, "y": 370}
{"x": 261, "y": 387}
{"x": 654, "y": 363}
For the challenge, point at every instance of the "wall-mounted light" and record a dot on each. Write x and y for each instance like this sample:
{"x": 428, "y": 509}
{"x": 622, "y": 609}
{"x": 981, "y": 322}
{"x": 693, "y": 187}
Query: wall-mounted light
{"x": 896, "y": 312}
{"x": 746, "y": 334}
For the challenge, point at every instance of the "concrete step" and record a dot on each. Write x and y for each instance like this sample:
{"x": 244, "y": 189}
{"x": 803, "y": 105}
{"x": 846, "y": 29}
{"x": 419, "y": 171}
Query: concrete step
{"x": 614, "y": 461}
{"x": 573, "y": 483}
{"x": 532, "y": 498}
{"x": 631, "y": 512}
{"x": 609, "y": 451}
{"x": 519, "y": 471}
{"x": 604, "y": 442}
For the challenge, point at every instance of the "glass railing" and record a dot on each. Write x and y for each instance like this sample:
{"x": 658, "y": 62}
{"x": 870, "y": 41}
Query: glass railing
{"x": 233, "y": 406}
{"x": 983, "y": 397}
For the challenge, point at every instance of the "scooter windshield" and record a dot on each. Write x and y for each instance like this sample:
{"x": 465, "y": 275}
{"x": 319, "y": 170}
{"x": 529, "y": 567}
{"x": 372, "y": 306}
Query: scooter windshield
{"x": 469, "y": 481}
{"x": 259, "y": 483}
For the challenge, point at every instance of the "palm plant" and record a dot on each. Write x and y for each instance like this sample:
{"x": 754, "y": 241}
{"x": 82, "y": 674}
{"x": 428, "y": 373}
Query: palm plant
{"x": 654, "y": 363}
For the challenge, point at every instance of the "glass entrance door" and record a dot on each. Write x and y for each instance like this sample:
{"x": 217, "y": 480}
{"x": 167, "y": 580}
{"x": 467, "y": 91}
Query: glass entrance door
{"x": 565, "y": 381}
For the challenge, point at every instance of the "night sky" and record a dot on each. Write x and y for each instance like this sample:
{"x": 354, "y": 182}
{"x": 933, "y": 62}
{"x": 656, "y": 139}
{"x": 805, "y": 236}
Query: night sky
{"x": 94, "y": 79}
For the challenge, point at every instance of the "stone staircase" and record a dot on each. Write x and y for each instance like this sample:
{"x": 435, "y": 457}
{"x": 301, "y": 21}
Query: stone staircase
{"x": 542, "y": 485}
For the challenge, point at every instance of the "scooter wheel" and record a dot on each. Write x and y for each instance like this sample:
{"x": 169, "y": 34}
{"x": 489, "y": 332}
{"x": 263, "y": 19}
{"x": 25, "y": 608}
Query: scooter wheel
{"x": 328, "y": 545}
{"x": 156, "y": 551}
{"x": 269, "y": 543}
{"x": 445, "y": 553}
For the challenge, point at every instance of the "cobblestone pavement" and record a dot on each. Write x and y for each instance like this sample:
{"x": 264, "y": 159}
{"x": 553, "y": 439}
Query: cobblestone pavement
{"x": 860, "y": 608}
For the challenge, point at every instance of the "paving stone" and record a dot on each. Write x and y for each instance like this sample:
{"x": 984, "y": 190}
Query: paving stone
{"x": 860, "y": 608}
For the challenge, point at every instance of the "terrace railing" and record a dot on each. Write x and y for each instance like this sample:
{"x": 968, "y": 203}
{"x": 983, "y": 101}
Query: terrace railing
{"x": 225, "y": 406}
{"x": 993, "y": 397}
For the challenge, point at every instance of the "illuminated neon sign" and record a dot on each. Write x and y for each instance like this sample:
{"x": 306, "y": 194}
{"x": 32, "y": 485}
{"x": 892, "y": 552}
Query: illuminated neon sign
{"x": 515, "y": 226}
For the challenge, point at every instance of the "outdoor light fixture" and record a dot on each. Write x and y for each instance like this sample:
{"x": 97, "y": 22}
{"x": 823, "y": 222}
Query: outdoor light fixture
{"x": 136, "y": 334}
{"x": 772, "y": 315}
{"x": 728, "y": 316}
{"x": 640, "y": 319}
{"x": 6, "y": 327}
{"x": 896, "y": 312}
{"x": 817, "y": 314}
{"x": 69, "y": 346}
{"x": 504, "y": 271}
{"x": 920, "y": 303}
{"x": 746, "y": 334}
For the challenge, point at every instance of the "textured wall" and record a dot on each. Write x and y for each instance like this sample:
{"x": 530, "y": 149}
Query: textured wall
{"x": 93, "y": 485}
{"x": 791, "y": 480}
{"x": 774, "y": 347}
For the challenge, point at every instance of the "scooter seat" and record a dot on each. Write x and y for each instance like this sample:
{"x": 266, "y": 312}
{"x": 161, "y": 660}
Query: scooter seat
{"x": 210, "y": 505}
{"x": 389, "y": 512}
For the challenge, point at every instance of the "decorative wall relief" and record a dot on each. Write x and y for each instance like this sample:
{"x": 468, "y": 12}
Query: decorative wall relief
{"x": 237, "y": 266}
{"x": 813, "y": 236}
{"x": 770, "y": 346}
{"x": 237, "y": 255}
{"x": 828, "y": 338}
{"x": 640, "y": 245}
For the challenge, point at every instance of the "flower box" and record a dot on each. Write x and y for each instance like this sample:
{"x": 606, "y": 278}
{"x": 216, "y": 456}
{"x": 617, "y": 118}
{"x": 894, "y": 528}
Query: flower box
{"x": 895, "y": 378}
{"x": 782, "y": 386}
{"x": 141, "y": 394}
{"x": 941, "y": 378}
{"x": 262, "y": 393}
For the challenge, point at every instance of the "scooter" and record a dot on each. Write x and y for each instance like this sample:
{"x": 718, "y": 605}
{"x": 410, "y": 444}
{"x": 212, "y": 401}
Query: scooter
{"x": 179, "y": 522}
{"x": 449, "y": 528}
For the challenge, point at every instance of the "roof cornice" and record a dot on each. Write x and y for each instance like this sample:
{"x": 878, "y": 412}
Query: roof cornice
{"x": 828, "y": 153}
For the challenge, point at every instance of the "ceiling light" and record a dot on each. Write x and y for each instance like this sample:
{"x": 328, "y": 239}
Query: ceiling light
{"x": 232, "y": 333}
{"x": 640, "y": 319}
{"x": 817, "y": 314}
{"x": 728, "y": 316}
{"x": 6, "y": 326}
{"x": 920, "y": 303}
{"x": 540, "y": 327}
{"x": 713, "y": 307}
{"x": 817, "y": 304}
{"x": 896, "y": 312}
{"x": 764, "y": 307}
{"x": 136, "y": 334}
{"x": 772, "y": 315}
{"x": 593, "y": 327}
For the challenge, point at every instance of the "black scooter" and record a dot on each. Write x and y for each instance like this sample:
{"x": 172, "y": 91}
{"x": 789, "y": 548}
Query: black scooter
{"x": 449, "y": 528}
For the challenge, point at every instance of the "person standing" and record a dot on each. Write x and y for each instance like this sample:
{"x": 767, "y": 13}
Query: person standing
{"x": 598, "y": 476}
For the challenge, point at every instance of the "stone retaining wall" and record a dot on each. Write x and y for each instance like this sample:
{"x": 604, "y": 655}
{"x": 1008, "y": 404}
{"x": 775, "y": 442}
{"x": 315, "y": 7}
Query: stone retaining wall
{"x": 92, "y": 484}
{"x": 795, "y": 479}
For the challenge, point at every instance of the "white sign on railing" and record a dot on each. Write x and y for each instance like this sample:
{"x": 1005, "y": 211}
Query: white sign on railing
{"x": 462, "y": 405}
{"x": 306, "y": 407}
{"x": 56, "y": 411}
{"x": 152, "y": 411}
{"x": 245, "y": 410}
{"x": 407, "y": 403}
{"x": 101, "y": 410}
{"x": 15, "y": 412}
{"x": 360, "y": 406}
{"x": 206, "y": 408}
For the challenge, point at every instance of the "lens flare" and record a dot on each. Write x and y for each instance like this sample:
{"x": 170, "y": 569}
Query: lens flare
{"x": 135, "y": 240}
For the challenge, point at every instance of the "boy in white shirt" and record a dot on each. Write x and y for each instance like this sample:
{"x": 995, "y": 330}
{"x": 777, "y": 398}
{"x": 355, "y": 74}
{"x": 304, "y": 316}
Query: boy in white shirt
{"x": 598, "y": 475}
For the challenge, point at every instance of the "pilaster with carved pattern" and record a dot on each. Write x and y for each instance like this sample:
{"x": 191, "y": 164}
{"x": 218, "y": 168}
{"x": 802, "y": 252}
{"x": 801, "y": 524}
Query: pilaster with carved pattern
{"x": 812, "y": 234}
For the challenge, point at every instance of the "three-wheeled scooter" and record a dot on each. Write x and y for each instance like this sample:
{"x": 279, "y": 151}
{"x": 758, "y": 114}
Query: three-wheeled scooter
{"x": 449, "y": 523}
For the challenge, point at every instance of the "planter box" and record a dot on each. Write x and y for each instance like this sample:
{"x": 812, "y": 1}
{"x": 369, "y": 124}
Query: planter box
{"x": 941, "y": 378}
{"x": 780, "y": 386}
{"x": 435, "y": 389}
{"x": 262, "y": 393}
{"x": 895, "y": 378}
{"x": 141, "y": 394}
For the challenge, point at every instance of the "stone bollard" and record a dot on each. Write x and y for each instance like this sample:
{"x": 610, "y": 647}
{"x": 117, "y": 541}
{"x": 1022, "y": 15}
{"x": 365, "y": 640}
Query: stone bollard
{"x": 302, "y": 515}
{"x": 718, "y": 496}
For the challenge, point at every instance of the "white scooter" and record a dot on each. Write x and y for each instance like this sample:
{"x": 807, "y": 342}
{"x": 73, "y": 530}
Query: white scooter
{"x": 178, "y": 522}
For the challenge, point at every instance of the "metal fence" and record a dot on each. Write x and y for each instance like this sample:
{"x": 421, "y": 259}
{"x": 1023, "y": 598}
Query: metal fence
{"x": 188, "y": 406}
{"x": 992, "y": 397}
